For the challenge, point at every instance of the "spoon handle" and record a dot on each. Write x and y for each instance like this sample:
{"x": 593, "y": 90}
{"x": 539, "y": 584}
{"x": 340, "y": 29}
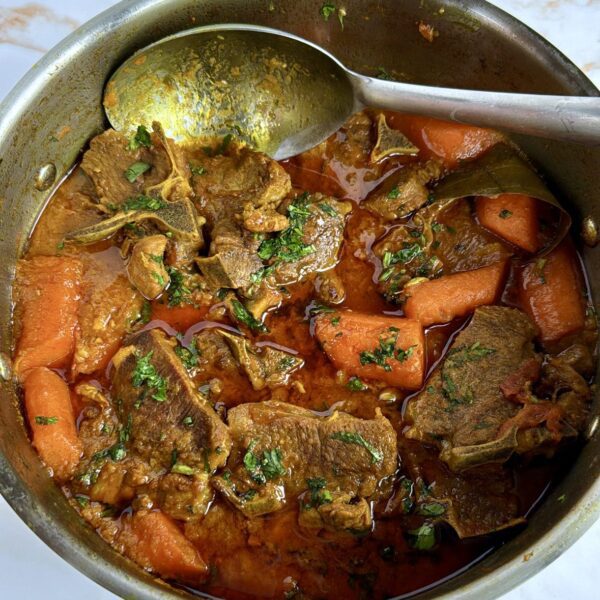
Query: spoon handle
{"x": 566, "y": 118}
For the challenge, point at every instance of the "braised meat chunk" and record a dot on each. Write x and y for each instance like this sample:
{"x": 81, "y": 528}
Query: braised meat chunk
{"x": 281, "y": 450}
{"x": 462, "y": 408}
{"x": 168, "y": 416}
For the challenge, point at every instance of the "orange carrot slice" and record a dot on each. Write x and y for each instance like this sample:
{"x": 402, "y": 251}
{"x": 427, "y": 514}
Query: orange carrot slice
{"x": 452, "y": 142}
{"x": 47, "y": 294}
{"x": 512, "y": 217}
{"x": 159, "y": 544}
{"x": 441, "y": 300}
{"x": 50, "y": 415}
{"x": 390, "y": 349}
{"x": 550, "y": 290}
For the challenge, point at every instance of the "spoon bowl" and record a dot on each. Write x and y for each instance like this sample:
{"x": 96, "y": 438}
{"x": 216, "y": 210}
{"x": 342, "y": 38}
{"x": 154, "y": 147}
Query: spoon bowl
{"x": 282, "y": 94}
{"x": 274, "y": 91}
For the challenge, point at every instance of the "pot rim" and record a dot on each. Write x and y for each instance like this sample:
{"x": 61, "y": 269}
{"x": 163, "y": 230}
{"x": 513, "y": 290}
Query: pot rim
{"x": 543, "y": 550}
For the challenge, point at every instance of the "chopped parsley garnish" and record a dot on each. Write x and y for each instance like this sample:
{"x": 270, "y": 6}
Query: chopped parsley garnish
{"x": 393, "y": 193}
{"x": 60, "y": 245}
{"x": 457, "y": 357}
{"x": 117, "y": 451}
{"x": 386, "y": 350}
{"x": 182, "y": 469}
{"x": 422, "y": 538}
{"x": 157, "y": 277}
{"x": 288, "y": 245}
{"x": 265, "y": 468}
{"x": 178, "y": 291}
{"x": 505, "y": 213}
{"x": 431, "y": 509}
{"x": 145, "y": 373}
{"x": 402, "y": 355}
{"x": 436, "y": 227}
{"x": 562, "y": 498}
{"x": 286, "y": 363}
{"x": 318, "y": 494}
{"x": 356, "y": 385}
{"x": 319, "y": 309}
{"x": 383, "y": 74}
{"x": 221, "y": 148}
{"x": 135, "y": 170}
{"x": 188, "y": 356}
{"x": 142, "y": 202}
{"x": 188, "y": 421}
{"x": 327, "y": 208}
{"x": 197, "y": 170}
{"x": 141, "y": 138}
{"x": 404, "y": 255}
{"x": 349, "y": 437}
{"x": 335, "y": 321}
{"x": 83, "y": 501}
{"x": 241, "y": 314}
{"x": 46, "y": 420}
{"x": 327, "y": 10}
{"x": 146, "y": 312}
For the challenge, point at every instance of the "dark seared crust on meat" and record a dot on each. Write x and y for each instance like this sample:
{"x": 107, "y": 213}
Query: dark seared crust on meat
{"x": 184, "y": 426}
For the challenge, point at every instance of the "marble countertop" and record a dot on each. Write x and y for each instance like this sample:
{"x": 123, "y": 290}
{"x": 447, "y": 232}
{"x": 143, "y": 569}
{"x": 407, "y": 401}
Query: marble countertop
{"x": 27, "y": 30}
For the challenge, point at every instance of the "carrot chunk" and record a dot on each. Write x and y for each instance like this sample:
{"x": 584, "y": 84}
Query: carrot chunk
{"x": 47, "y": 294}
{"x": 441, "y": 300}
{"x": 512, "y": 217}
{"x": 452, "y": 142}
{"x": 550, "y": 290}
{"x": 158, "y": 543}
{"x": 390, "y": 349}
{"x": 50, "y": 415}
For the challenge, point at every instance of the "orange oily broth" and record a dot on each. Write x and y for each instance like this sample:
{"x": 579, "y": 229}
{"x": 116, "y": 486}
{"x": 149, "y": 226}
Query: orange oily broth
{"x": 264, "y": 556}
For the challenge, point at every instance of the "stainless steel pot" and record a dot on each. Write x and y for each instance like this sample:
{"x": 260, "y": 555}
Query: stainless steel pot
{"x": 51, "y": 114}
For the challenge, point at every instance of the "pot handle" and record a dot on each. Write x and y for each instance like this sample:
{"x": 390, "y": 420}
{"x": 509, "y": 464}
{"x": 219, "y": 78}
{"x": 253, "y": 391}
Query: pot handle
{"x": 566, "y": 118}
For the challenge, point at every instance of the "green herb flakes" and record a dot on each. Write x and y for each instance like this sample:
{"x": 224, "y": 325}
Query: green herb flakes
{"x": 422, "y": 538}
{"x": 327, "y": 9}
{"x": 182, "y": 469}
{"x": 431, "y": 509}
{"x": 197, "y": 170}
{"x": 505, "y": 213}
{"x": 356, "y": 385}
{"x": 178, "y": 292}
{"x": 135, "y": 170}
{"x": 146, "y": 312}
{"x": 142, "y": 202}
{"x": 288, "y": 245}
{"x": 46, "y": 420}
{"x": 266, "y": 467}
{"x": 242, "y": 315}
{"x": 145, "y": 374}
{"x": 349, "y": 437}
{"x": 318, "y": 494}
{"x": 189, "y": 356}
{"x": 393, "y": 193}
{"x": 141, "y": 138}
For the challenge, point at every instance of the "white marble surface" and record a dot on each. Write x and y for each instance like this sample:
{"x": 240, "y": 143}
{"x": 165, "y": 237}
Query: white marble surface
{"x": 29, "y": 569}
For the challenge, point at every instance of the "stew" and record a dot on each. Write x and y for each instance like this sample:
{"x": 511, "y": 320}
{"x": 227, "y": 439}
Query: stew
{"x": 350, "y": 374}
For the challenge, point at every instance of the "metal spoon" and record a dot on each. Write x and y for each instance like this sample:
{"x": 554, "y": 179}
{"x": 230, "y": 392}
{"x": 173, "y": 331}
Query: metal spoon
{"x": 283, "y": 95}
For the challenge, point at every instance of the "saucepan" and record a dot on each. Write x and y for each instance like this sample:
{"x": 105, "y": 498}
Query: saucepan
{"x": 51, "y": 114}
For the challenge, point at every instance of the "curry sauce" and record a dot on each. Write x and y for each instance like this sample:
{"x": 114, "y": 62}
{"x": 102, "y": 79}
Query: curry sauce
{"x": 261, "y": 408}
